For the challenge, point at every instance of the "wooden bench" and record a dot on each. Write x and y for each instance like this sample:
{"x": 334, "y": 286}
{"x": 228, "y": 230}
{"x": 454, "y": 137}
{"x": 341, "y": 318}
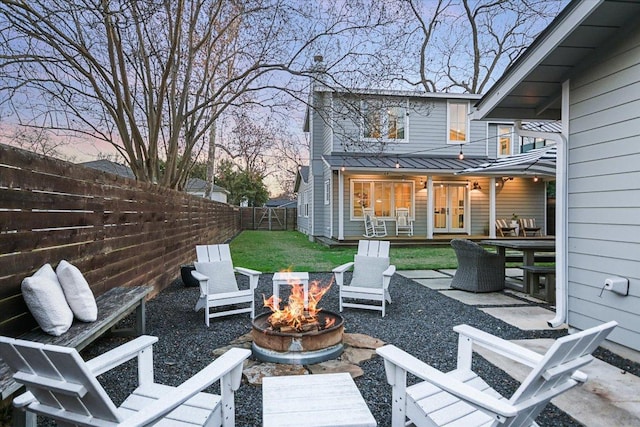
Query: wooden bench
{"x": 533, "y": 287}
{"x": 113, "y": 306}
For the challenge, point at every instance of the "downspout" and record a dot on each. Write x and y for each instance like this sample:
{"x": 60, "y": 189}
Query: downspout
{"x": 492, "y": 207}
{"x": 562, "y": 221}
{"x": 430, "y": 207}
{"x": 340, "y": 205}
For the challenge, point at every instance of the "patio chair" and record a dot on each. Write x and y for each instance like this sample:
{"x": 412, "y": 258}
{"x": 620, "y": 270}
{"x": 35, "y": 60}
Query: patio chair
{"x": 504, "y": 228}
{"x": 478, "y": 269}
{"x": 373, "y": 226}
{"x": 404, "y": 224}
{"x": 528, "y": 227}
{"x": 462, "y": 398}
{"x": 371, "y": 277}
{"x": 62, "y": 386}
{"x": 218, "y": 286}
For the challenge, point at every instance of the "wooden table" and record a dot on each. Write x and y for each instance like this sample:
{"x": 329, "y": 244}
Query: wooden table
{"x": 290, "y": 278}
{"x": 323, "y": 400}
{"x": 528, "y": 248}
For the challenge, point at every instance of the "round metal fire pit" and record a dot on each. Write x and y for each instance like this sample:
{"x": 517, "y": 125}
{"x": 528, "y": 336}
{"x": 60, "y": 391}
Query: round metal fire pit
{"x": 297, "y": 348}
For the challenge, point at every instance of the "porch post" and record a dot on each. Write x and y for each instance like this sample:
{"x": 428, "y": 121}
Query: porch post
{"x": 429, "y": 207}
{"x": 340, "y": 205}
{"x": 492, "y": 207}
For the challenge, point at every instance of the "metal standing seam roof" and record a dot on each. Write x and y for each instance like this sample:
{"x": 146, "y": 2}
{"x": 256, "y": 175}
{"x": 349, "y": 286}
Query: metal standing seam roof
{"x": 414, "y": 163}
{"x": 537, "y": 162}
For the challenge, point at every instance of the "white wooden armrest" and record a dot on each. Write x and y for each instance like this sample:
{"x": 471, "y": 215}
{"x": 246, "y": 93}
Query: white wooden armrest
{"x": 23, "y": 400}
{"x": 247, "y": 271}
{"x": 123, "y": 353}
{"x": 497, "y": 345}
{"x": 343, "y": 267}
{"x": 397, "y": 358}
{"x": 389, "y": 271}
{"x": 230, "y": 363}
{"x": 198, "y": 276}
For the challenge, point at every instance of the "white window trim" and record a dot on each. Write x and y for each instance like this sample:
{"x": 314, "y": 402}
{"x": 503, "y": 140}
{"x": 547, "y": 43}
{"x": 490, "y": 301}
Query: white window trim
{"x": 512, "y": 147}
{"x": 468, "y": 125}
{"x": 352, "y": 217}
{"x": 327, "y": 192}
{"x": 406, "y": 122}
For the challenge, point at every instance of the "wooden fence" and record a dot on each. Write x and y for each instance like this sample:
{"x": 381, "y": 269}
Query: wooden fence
{"x": 273, "y": 219}
{"x": 117, "y": 231}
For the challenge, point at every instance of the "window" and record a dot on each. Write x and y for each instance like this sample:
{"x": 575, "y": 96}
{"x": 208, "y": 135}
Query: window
{"x": 505, "y": 140}
{"x": 327, "y": 192}
{"x": 384, "y": 120}
{"x": 383, "y": 196}
{"x": 306, "y": 203}
{"x": 458, "y": 122}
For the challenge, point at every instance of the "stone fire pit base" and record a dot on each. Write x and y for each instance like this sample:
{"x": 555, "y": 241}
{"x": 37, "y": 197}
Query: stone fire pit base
{"x": 357, "y": 349}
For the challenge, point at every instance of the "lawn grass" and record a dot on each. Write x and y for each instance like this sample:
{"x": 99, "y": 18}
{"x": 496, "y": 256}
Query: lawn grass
{"x": 272, "y": 251}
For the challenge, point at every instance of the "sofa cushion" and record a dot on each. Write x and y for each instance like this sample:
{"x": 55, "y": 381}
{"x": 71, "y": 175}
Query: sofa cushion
{"x": 367, "y": 271}
{"x": 221, "y": 276}
{"x": 45, "y": 299}
{"x": 77, "y": 292}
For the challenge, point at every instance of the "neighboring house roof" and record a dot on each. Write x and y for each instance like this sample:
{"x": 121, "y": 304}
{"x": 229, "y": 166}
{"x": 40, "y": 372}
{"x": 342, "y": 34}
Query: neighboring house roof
{"x": 110, "y": 167}
{"x": 281, "y": 203}
{"x": 414, "y": 163}
{"x": 397, "y": 93}
{"x": 301, "y": 177}
{"x": 197, "y": 185}
{"x": 538, "y": 162}
{"x": 531, "y": 87}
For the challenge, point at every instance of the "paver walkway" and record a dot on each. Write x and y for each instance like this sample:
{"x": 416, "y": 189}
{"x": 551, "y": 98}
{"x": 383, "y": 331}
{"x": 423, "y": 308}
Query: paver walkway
{"x": 609, "y": 398}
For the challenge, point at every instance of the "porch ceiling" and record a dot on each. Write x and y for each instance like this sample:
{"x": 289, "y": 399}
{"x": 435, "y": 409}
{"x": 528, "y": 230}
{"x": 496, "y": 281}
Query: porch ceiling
{"x": 413, "y": 163}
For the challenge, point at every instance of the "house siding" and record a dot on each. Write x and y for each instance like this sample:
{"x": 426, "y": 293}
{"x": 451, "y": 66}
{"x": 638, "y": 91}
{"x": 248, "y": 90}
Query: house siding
{"x": 604, "y": 190}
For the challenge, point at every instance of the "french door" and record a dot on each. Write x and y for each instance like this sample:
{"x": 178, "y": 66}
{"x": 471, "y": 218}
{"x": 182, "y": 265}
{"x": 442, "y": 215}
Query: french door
{"x": 449, "y": 207}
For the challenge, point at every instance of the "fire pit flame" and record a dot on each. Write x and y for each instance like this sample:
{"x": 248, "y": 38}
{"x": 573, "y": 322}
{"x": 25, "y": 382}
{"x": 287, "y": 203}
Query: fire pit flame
{"x": 294, "y": 317}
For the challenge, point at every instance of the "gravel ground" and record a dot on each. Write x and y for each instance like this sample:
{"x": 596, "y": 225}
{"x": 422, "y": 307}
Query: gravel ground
{"x": 419, "y": 321}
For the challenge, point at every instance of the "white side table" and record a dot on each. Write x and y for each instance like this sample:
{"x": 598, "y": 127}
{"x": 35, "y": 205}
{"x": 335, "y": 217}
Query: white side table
{"x": 323, "y": 400}
{"x": 290, "y": 278}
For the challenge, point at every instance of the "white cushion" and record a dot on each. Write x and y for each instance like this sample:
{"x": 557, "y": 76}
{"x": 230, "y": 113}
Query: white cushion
{"x": 77, "y": 291}
{"x": 221, "y": 276}
{"x": 44, "y": 296}
{"x": 367, "y": 271}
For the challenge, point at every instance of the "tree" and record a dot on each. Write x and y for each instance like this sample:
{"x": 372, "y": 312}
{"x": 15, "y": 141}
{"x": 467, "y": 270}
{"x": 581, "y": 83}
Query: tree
{"x": 466, "y": 44}
{"x": 153, "y": 77}
{"x": 241, "y": 184}
{"x": 38, "y": 141}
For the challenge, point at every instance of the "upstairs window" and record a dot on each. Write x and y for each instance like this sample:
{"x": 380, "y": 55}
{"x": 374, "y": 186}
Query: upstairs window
{"x": 384, "y": 120}
{"x": 505, "y": 140}
{"x": 458, "y": 122}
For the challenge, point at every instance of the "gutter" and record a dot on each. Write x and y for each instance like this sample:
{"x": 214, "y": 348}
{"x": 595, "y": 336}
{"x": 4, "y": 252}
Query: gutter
{"x": 562, "y": 293}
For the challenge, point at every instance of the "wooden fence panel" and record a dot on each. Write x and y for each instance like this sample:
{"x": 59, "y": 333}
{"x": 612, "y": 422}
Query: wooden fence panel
{"x": 273, "y": 219}
{"x": 117, "y": 231}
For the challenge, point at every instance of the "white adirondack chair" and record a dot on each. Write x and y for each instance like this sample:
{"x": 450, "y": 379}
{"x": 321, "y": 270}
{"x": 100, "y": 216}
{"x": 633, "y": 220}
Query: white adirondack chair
{"x": 462, "y": 398}
{"x": 404, "y": 224}
{"x": 371, "y": 276}
{"x": 62, "y": 386}
{"x": 218, "y": 286}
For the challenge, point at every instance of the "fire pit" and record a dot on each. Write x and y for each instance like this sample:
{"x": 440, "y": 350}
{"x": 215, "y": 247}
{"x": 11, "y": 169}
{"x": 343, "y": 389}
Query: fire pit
{"x": 295, "y": 334}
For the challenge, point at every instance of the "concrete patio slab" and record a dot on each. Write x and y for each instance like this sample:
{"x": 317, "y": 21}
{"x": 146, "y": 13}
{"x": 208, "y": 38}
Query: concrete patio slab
{"x": 421, "y": 274}
{"x": 448, "y": 271}
{"x": 436, "y": 284}
{"x": 608, "y": 398}
{"x": 527, "y": 318}
{"x": 490, "y": 298}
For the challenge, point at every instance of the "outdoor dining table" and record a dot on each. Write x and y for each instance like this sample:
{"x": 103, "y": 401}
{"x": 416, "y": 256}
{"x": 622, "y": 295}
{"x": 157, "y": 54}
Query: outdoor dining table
{"x": 528, "y": 248}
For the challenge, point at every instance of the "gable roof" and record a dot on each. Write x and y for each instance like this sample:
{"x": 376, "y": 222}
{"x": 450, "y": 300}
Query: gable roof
{"x": 301, "y": 177}
{"x": 200, "y": 185}
{"x": 110, "y": 167}
{"x": 531, "y": 87}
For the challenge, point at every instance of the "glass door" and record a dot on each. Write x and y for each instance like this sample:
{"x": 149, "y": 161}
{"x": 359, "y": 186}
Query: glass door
{"x": 449, "y": 208}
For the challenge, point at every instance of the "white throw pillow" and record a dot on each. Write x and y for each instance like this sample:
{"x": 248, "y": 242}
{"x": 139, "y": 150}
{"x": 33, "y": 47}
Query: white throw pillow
{"x": 77, "y": 291}
{"x": 367, "y": 271}
{"x": 44, "y": 297}
{"x": 222, "y": 278}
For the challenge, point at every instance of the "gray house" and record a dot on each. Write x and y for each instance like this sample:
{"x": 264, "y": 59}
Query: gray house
{"x": 387, "y": 150}
{"x": 585, "y": 70}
